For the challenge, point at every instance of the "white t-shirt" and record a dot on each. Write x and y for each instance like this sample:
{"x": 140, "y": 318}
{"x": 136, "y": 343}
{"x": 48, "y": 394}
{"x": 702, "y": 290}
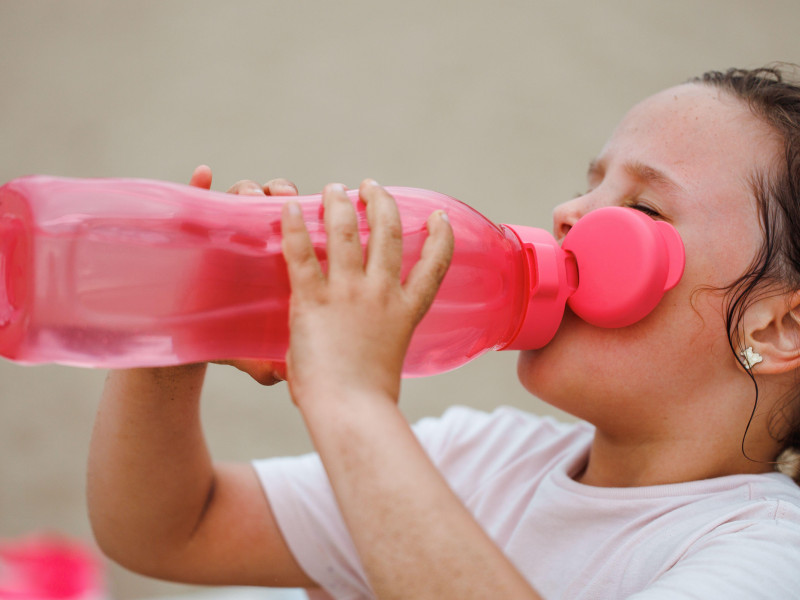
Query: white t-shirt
{"x": 733, "y": 538}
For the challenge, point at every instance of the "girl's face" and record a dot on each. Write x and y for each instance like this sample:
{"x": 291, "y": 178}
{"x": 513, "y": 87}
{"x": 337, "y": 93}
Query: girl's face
{"x": 686, "y": 156}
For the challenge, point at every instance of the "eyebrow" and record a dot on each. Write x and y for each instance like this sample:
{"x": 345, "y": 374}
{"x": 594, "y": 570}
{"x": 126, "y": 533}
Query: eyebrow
{"x": 643, "y": 173}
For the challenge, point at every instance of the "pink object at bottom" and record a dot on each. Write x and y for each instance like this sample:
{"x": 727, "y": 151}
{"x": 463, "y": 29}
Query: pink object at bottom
{"x": 49, "y": 568}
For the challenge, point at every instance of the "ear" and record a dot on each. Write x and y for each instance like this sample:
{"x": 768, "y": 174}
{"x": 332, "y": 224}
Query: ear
{"x": 772, "y": 328}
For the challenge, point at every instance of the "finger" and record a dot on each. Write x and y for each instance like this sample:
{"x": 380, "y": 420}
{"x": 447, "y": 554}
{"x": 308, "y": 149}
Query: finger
{"x": 279, "y": 370}
{"x": 385, "y": 246}
{"x": 246, "y": 187}
{"x": 345, "y": 253}
{"x": 426, "y": 276}
{"x": 265, "y": 372}
{"x": 201, "y": 177}
{"x": 280, "y": 187}
{"x": 305, "y": 275}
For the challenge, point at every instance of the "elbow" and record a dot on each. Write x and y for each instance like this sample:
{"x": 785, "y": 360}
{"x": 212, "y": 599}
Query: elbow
{"x": 146, "y": 550}
{"x": 120, "y": 548}
{"x": 136, "y": 551}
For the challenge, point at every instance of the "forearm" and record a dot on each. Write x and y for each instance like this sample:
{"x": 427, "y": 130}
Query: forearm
{"x": 414, "y": 536}
{"x": 350, "y": 328}
{"x": 150, "y": 474}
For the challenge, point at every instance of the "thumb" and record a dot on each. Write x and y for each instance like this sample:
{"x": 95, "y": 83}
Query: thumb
{"x": 201, "y": 177}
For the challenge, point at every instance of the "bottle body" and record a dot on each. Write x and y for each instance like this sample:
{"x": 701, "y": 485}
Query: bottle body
{"x": 126, "y": 273}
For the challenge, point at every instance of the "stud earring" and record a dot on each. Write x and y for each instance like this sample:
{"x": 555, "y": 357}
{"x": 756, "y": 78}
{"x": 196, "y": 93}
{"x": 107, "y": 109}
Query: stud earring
{"x": 751, "y": 358}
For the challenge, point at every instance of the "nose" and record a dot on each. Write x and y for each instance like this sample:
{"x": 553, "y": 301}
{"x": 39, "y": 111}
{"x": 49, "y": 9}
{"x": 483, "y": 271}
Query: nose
{"x": 566, "y": 214}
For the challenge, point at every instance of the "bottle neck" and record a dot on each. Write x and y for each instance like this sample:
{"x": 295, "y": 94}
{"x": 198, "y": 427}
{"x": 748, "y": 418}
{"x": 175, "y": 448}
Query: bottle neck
{"x": 549, "y": 277}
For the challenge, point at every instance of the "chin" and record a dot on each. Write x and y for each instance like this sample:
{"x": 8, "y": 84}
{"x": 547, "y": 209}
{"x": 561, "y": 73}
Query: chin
{"x": 552, "y": 361}
{"x": 540, "y": 376}
{"x": 568, "y": 371}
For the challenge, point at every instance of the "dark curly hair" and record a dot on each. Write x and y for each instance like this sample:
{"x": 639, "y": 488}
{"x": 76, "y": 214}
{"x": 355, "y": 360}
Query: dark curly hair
{"x": 772, "y": 94}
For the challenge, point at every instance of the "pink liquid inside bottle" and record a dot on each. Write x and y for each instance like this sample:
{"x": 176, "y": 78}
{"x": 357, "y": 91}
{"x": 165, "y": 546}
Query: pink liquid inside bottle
{"x": 118, "y": 273}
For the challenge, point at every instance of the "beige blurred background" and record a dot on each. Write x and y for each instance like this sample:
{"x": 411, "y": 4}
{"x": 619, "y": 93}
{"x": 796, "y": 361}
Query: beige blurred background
{"x": 500, "y": 104}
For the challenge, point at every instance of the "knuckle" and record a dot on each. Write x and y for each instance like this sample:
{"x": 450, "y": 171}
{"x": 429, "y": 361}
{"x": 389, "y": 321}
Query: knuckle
{"x": 392, "y": 228}
{"x": 334, "y": 189}
{"x": 244, "y": 186}
{"x": 244, "y": 183}
{"x": 281, "y": 186}
{"x": 346, "y": 232}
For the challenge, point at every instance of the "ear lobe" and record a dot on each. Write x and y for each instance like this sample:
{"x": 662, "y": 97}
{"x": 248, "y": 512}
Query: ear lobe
{"x": 772, "y": 328}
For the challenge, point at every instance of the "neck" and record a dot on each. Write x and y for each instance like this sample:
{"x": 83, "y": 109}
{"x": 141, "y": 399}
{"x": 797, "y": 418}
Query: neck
{"x": 615, "y": 462}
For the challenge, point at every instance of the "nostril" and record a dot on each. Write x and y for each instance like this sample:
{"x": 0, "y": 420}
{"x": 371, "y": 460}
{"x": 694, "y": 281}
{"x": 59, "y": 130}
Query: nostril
{"x": 564, "y": 217}
{"x": 561, "y": 230}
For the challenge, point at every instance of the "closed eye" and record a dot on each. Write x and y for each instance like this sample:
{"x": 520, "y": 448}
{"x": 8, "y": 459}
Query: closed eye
{"x": 644, "y": 208}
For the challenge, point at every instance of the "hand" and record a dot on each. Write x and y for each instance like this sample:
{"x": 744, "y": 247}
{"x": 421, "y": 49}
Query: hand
{"x": 264, "y": 372}
{"x": 350, "y": 329}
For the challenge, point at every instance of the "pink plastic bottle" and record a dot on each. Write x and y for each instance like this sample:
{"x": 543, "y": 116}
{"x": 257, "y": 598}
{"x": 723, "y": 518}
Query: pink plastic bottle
{"x": 120, "y": 273}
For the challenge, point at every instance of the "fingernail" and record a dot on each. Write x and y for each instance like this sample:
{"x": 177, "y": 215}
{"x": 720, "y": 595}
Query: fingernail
{"x": 444, "y": 216}
{"x": 294, "y": 209}
{"x": 373, "y": 182}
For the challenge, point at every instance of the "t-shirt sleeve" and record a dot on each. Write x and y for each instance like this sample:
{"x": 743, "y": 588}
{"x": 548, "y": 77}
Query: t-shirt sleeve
{"x": 305, "y": 508}
{"x": 740, "y": 561}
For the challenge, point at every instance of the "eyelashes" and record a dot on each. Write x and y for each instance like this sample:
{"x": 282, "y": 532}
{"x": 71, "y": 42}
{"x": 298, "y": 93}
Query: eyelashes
{"x": 645, "y": 209}
{"x": 634, "y": 204}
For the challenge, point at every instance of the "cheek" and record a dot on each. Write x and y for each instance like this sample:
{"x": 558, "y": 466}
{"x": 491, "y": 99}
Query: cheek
{"x": 718, "y": 253}
{"x": 577, "y": 355}
{"x": 673, "y": 342}
{"x": 683, "y": 340}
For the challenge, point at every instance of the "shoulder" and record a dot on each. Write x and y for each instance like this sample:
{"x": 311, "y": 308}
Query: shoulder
{"x": 462, "y": 425}
{"x": 745, "y": 500}
{"x": 777, "y": 488}
{"x": 473, "y": 445}
{"x": 750, "y": 550}
{"x": 772, "y": 504}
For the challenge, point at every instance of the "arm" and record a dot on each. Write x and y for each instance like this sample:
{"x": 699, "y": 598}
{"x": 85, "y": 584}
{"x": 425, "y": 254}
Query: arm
{"x": 349, "y": 333}
{"x": 157, "y": 502}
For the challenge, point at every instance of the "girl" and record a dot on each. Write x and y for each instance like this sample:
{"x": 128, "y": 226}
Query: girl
{"x": 668, "y": 489}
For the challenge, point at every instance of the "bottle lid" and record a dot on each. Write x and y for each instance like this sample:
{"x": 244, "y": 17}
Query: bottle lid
{"x": 626, "y": 262}
{"x": 612, "y": 269}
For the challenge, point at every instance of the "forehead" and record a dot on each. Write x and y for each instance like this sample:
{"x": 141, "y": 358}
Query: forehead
{"x": 711, "y": 145}
{"x": 699, "y": 134}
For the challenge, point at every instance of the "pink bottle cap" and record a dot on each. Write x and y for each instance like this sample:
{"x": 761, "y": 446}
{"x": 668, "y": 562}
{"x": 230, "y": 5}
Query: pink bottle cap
{"x": 612, "y": 268}
{"x": 626, "y": 262}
